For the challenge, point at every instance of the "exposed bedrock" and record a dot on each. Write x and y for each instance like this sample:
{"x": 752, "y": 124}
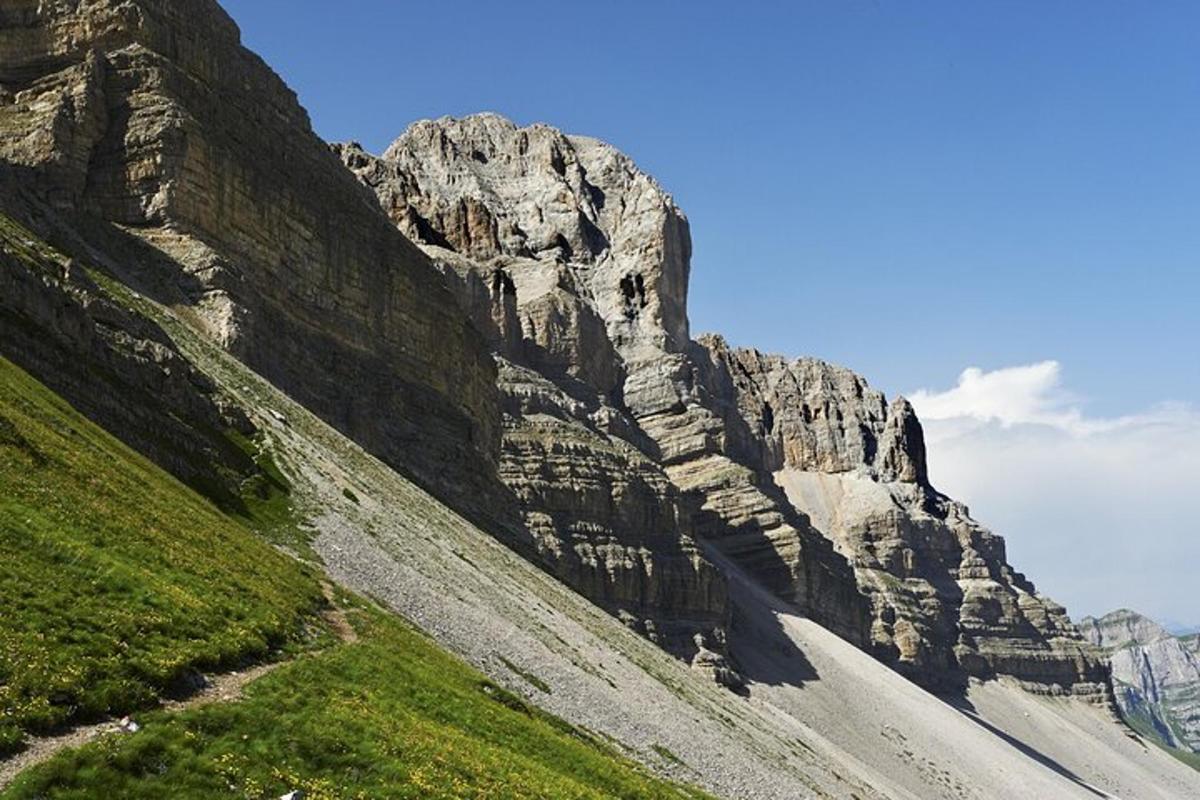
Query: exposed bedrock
{"x": 110, "y": 362}
{"x": 1156, "y": 676}
{"x": 606, "y": 519}
{"x": 946, "y": 603}
{"x": 575, "y": 265}
{"x": 184, "y": 158}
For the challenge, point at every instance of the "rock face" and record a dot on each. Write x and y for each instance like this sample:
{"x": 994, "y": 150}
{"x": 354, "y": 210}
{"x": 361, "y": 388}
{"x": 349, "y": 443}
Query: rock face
{"x": 946, "y": 604}
{"x": 154, "y": 148}
{"x": 185, "y": 160}
{"x": 1156, "y": 676}
{"x": 623, "y": 456}
{"x": 606, "y": 519}
{"x": 115, "y": 365}
{"x": 575, "y": 265}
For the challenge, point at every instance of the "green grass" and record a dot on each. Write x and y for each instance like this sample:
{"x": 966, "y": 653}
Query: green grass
{"x": 117, "y": 580}
{"x": 391, "y": 716}
{"x": 528, "y": 677}
{"x": 19, "y": 243}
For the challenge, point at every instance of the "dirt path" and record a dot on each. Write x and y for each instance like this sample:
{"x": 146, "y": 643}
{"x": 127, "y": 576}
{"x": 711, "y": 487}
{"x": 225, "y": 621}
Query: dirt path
{"x": 224, "y": 688}
{"x": 221, "y": 688}
{"x": 335, "y": 618}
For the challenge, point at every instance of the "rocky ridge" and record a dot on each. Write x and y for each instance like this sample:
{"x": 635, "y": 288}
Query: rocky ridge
{"x": 946, "y": 603}
{"x": 668, "y": 480}
{"x": 1156, "y": 676}
{"x": 575, "y": 264}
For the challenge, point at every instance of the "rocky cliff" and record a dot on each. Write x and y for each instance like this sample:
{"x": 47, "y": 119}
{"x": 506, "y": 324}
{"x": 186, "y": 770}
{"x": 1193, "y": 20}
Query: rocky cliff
{"x": 575, "y": 265}
{"x": 946, "y": 604}
{"x": 529, "y": 359}
{"x": 153, "y": 148}
{"x": 1156, "y": 676}
{"x": 190, "y": 171}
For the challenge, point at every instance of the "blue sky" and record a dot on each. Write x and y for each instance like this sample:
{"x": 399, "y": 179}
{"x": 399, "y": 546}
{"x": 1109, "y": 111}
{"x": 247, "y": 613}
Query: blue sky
{"x": 909, "y": 189}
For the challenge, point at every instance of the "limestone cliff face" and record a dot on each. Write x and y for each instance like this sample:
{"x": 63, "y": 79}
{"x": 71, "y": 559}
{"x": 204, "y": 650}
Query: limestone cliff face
{"x": 1156, "y": 676}
{"x": 575, "y": 266}
{"x": 946, "y": 603}
{"x": 606, "y": 519}
{"x": 188, "y": 162}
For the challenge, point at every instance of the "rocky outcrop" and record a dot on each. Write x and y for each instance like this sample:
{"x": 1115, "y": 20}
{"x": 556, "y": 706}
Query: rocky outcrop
{"x": 606, "y": 519}
{"x": 575, "y": 264}
{"x": 187, "y": 161}
{"x": 112, "y": 363}
{"x": 946, "y": 604}
{"x": 1156, "y": 676}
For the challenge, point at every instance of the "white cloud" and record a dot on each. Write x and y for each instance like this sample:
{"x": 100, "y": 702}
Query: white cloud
{"x": 1098, "y": 510}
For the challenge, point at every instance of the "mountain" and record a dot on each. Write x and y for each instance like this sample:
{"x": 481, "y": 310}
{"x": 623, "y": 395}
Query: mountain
{"x": 454, "y": 386}
{"x": 575, "y": 264}
{"x": 1156, "y": 675}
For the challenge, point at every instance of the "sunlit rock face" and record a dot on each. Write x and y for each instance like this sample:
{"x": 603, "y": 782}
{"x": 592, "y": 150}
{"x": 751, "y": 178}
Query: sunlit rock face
{"x": 946, "y": 605}
{"x": 575, "y": 266}
{"x": 1156, "y": 676}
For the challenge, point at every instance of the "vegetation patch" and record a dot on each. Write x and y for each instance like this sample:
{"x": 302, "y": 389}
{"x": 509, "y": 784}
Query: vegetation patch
{"x": 666, "y": 754}
{"x": 528, "y": 677}
{"x": 390, "y": 716}
{"x": 19, "y": 243}
{"x": 118, "y": 580}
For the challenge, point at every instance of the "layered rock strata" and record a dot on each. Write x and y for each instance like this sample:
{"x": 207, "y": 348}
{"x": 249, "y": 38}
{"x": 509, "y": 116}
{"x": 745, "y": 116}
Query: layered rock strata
{"x": 1156, "y": 676}
{"x": 946, "y": 603}
{"x": 112, "y": 363}
{"x": 606, "y": 519}
{"x": 575, "y": 265}
{"x": 185, "y": 159}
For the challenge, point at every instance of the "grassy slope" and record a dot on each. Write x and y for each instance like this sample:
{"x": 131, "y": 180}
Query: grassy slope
{"x": 391, "y": 716}
{"x": 117, "y": 579}
{"x": 121, "y": 578}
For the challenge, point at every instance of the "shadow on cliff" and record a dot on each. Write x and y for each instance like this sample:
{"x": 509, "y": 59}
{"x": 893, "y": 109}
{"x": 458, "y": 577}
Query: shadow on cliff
{"x": 963, "y": 705}
{"x": 759, "y": 646}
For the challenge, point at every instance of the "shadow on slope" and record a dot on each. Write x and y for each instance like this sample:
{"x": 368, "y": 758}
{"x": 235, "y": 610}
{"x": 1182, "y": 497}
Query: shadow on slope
{"x": 968, "y": 710}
